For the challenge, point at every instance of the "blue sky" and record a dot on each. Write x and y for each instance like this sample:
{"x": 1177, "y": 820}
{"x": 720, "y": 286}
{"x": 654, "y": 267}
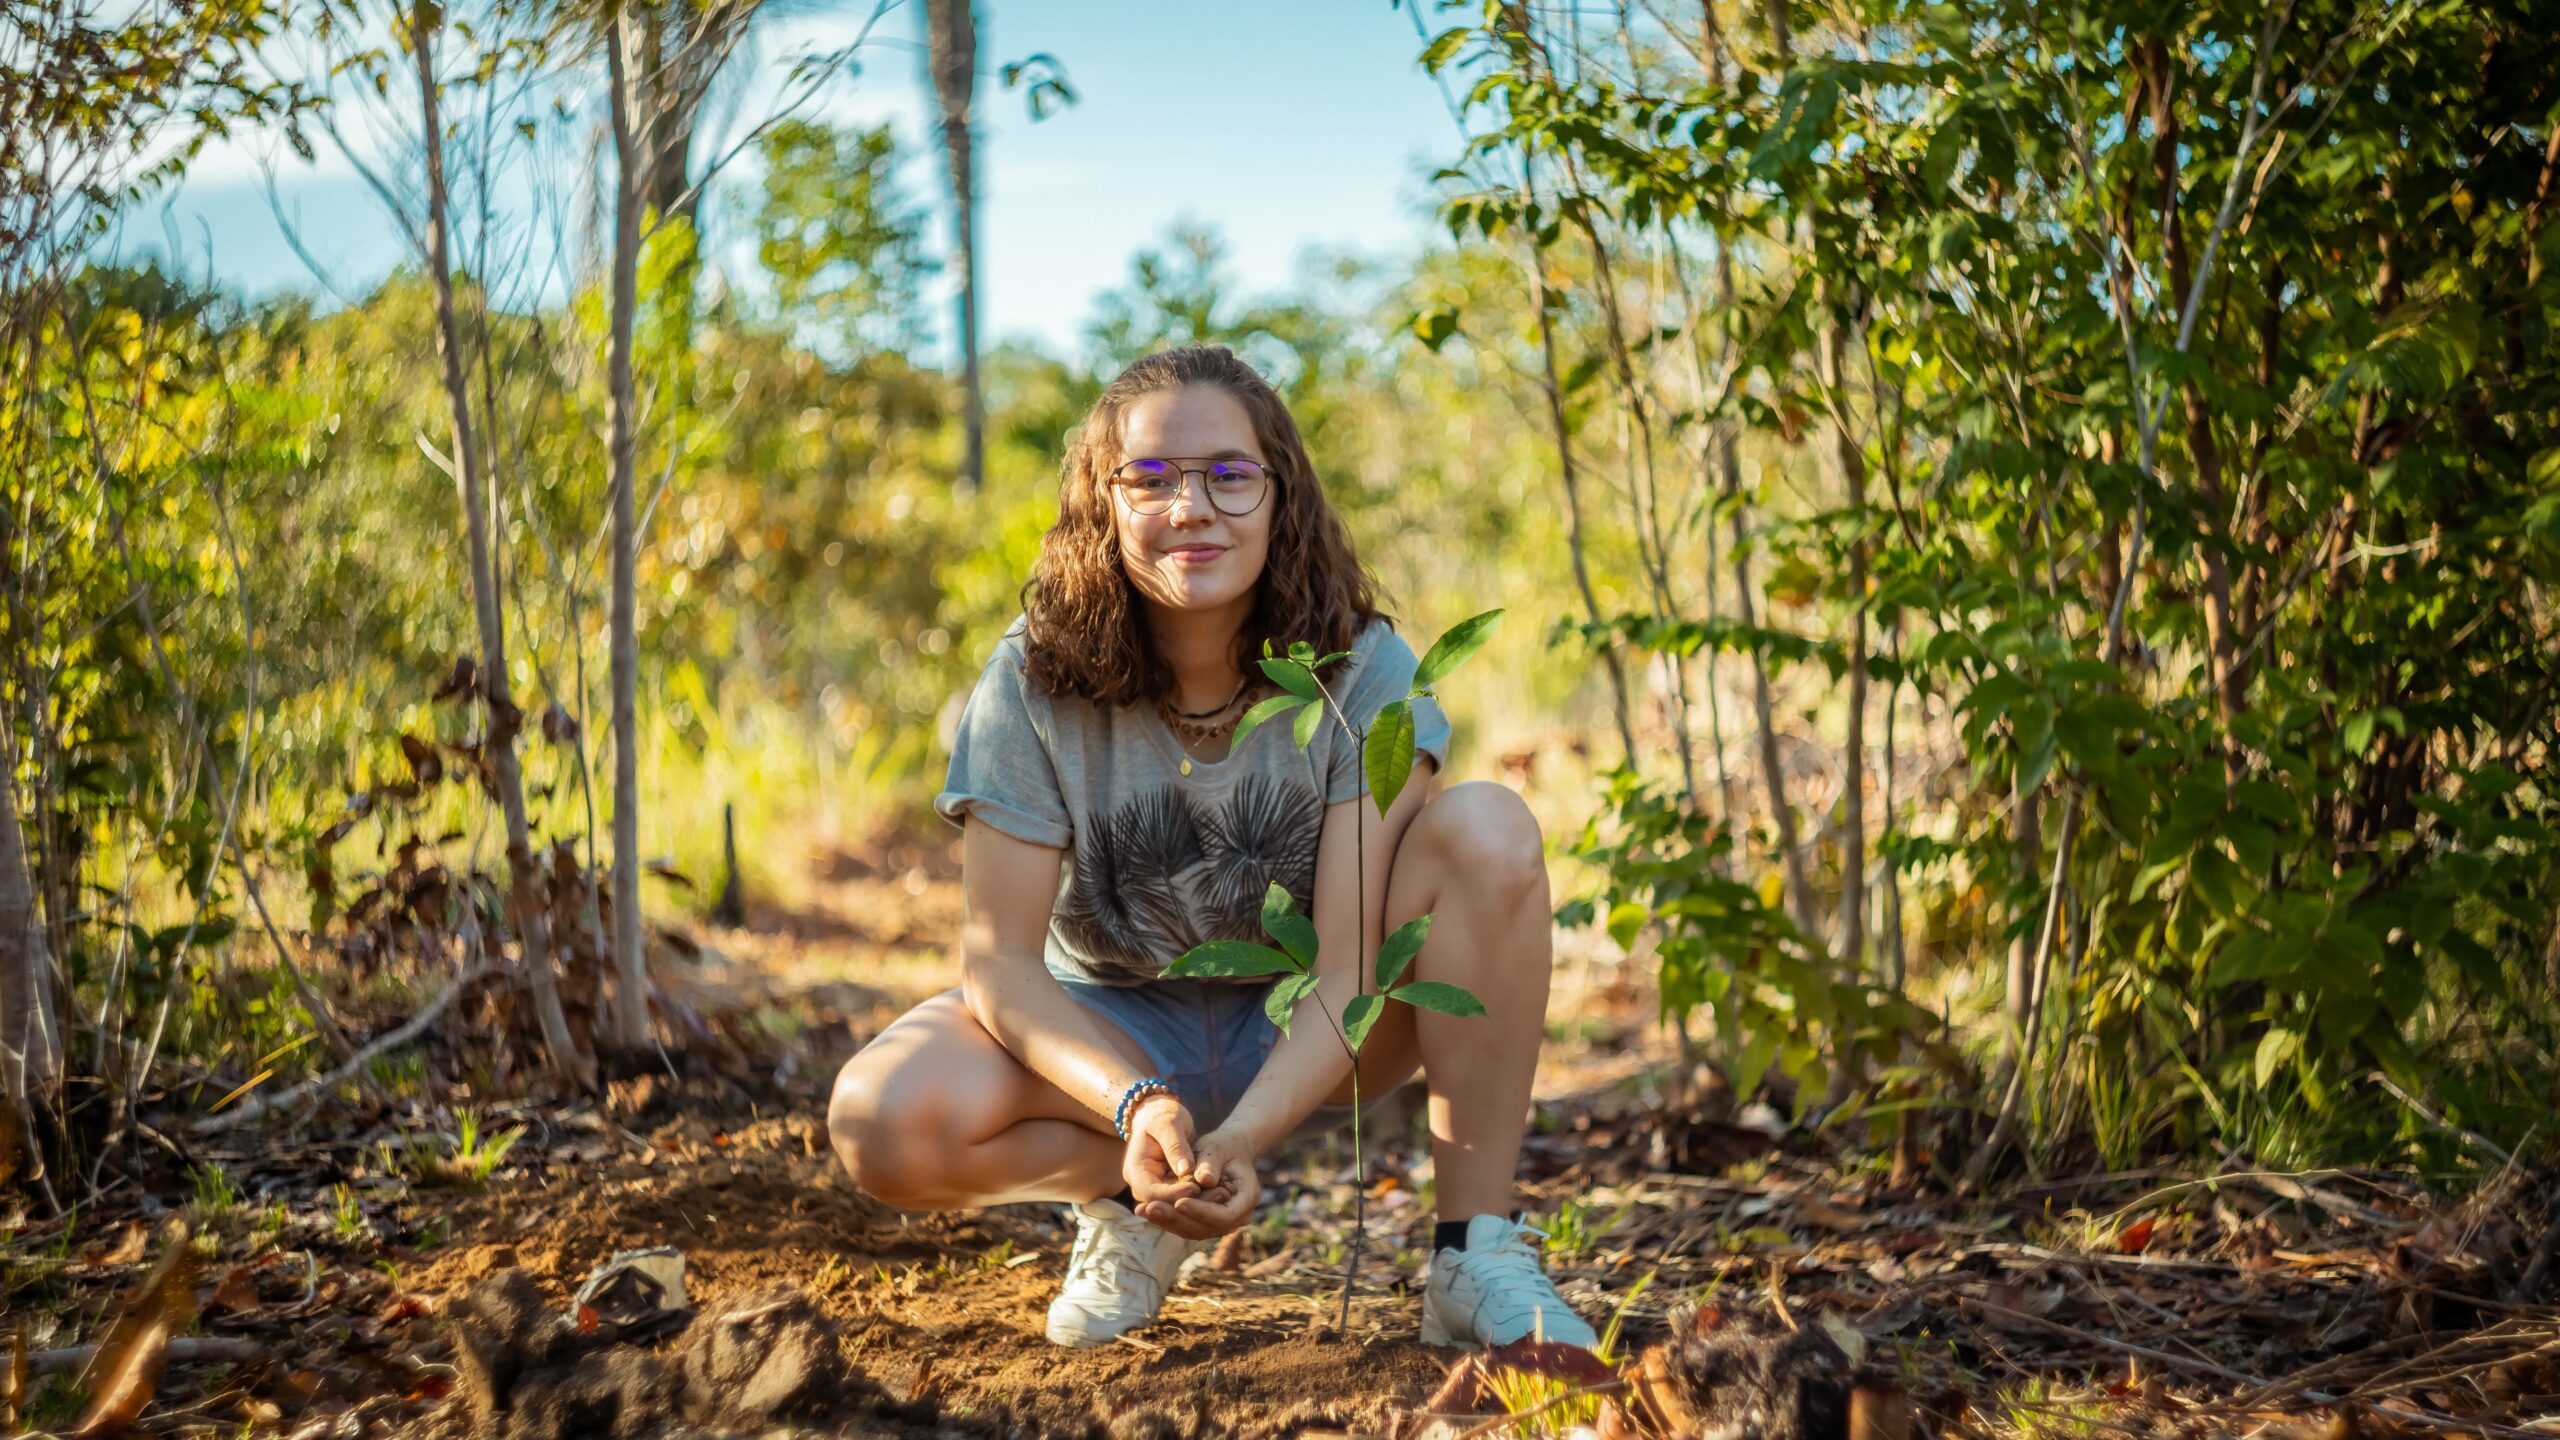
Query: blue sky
{"x": 1289, "y": 124}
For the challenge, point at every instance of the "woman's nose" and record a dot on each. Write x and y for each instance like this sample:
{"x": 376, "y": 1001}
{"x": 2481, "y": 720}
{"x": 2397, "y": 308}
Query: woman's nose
{"x": 1184, "y": 508}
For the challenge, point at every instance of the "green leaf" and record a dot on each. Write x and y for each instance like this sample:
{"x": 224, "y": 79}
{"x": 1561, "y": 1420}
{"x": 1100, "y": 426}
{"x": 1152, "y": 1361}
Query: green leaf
{"x": 1388, "y": 755}
{"x": 1452, "y": 649}
{"x": 1358, "y": 1016}
{"x": 1438, "y": 995}
{"x": 1434, "y": 326}
{"x": 1399, "y": 949}
{"x": 1230, "y": 960}
{"x": 1281, "y": 1004}
{"x": 1271, "y": 709}
{"x": 2358, "y": 733}
{"x": 1292, "y": 676}
{"x": 1625, "y": 919}
{"x": 2274, "y": 1048}
{"x": 1305, "y": 730}
{"x": 1443, "y": 48}
{"x": 1282, "y": 922}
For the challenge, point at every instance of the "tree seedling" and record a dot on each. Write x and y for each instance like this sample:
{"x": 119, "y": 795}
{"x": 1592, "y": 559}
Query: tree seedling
{"x": 1386, "y": 748}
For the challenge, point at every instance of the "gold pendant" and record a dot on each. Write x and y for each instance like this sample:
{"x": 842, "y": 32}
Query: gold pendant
{"x": 1186, "y": 764}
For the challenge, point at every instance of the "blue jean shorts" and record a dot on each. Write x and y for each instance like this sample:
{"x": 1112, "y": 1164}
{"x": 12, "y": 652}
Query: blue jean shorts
{"x": 1208, "y": 1039}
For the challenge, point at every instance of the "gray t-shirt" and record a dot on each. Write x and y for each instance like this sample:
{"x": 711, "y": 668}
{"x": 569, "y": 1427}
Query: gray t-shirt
{"x": 1159, "y": 861}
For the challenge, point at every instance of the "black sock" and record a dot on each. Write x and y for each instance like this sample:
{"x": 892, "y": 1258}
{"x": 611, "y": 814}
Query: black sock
{"x": 1452, "y": 1234}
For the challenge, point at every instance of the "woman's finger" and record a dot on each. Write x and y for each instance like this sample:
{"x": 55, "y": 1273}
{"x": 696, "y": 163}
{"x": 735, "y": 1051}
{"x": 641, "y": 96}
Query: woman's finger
{"x": 1176, "y": 1146}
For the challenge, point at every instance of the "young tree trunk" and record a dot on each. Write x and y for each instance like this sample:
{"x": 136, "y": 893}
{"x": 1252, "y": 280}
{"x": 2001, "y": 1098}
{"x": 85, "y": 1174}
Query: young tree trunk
{"x": 2018, "y": 1001}
{"x": 1799, "y": 887}
{"x": 952, "y": 28}
{"x": 1549, "y": 374}
{"x": 1853, "y": 761}
{"x": 524, "y": 877}
{"x": 30, "y": 1016}
{"x": 631, "y": 979}
{"x": 1773, "y": 772}
{"x": 2221, "y": 628}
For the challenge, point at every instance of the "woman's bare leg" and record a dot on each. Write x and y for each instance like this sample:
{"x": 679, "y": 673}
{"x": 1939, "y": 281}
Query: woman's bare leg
{"x": 1473, "y": 860}
{"x": 933, "y": 1114}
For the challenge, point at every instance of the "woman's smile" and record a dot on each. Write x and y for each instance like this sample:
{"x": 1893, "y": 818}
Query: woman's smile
{"x": 1196, "y": 554}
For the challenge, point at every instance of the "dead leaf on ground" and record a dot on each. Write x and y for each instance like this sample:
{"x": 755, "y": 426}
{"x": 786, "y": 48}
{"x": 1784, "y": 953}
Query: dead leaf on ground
{"x": 125, "y": 1373}
{"x": 132, "y": 1243}
{"x": 13, "y": 1381}
{"x": 2136, "y": 1237}
{"x": 1231, "y": 1251}
{"x": 238, "y": 1292}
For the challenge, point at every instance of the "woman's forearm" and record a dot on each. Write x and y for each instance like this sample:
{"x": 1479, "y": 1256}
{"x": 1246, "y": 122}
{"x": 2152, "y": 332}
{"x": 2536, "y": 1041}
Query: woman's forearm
{"x": 1038, "y": 1023}
{"x": 1304, "y": 1067}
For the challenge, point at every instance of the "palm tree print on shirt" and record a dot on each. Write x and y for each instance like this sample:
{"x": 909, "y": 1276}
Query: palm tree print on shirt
{"x": 1166, "y": 871}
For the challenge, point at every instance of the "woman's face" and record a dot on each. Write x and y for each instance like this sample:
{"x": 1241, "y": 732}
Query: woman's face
{"x": 1193, "y": 556}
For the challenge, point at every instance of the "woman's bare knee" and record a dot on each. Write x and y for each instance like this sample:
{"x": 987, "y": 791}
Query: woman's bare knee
{"x": 881, "y": 1137}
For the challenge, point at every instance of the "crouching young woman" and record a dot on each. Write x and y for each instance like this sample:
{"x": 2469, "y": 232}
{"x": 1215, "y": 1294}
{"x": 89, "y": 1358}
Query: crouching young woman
{"x": 1094, "y": 751}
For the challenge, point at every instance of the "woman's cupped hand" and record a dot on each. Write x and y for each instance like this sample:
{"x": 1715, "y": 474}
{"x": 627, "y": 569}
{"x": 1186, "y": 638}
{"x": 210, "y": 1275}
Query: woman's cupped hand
{"x": 1197, "y": 1186}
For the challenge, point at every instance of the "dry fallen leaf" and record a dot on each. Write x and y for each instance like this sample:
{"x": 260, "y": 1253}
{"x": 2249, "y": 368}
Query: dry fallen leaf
{"x": 2136, "y": 1237}
{"x": 13, "y": 1381}
{"x": 132, "y": 1243}
{"x": 1231, "y": 1252}
{"x": 1879, "y": 1413}
{"x": 125, "y": 1373}
{"x": 238, "y": 1292}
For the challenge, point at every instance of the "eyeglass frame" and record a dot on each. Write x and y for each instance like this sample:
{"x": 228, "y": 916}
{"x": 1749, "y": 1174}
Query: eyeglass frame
{"x": 1270, "y": 478}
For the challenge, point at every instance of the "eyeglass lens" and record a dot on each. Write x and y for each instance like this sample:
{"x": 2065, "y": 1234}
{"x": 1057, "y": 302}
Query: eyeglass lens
{"x": 1234, "y": 486}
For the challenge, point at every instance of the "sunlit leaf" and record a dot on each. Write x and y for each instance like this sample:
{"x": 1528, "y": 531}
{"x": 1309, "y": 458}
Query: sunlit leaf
{"x": 1281, "y": 1004}
{"x": 1272, "y": 708}
{"x": 1398, "y": 950}
{"x": 1282, "y": 922}
{"x": 1388, "y": 754}
{"x": 1358, "y": 1016}
{"x": 1452, "y": 649}
{"x": 1439, "y": 996}
{"x": 1229, "y": 960}
{"x": 1304, "y": 731}
{"x": 1293, "y": 676}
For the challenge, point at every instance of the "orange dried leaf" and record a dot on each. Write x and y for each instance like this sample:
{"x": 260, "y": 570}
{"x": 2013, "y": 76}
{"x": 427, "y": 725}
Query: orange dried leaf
{"x": 13, "y": 1381}
{"x": 132, "y": 1243}
{"x": 125, "y": 1373}
{"x": 238, "y": 1293}
{"x": 2136, "y": 1237}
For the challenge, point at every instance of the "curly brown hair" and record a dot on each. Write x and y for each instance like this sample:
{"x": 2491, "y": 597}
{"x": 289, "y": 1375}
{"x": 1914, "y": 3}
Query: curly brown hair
{"x": 1086, "y": 634}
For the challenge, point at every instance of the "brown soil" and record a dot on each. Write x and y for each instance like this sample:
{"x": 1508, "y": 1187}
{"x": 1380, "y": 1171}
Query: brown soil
{"x": 353, "y": 1274}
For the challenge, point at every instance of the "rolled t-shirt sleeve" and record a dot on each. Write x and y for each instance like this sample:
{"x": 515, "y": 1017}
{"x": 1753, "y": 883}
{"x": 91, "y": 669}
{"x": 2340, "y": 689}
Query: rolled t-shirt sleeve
{"x": 1001, "y": 772}
{"x": 1384, "y": 673}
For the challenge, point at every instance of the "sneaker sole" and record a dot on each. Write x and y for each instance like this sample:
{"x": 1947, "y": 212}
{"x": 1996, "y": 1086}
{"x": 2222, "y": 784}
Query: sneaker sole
{"x": 1083, "y": 1340}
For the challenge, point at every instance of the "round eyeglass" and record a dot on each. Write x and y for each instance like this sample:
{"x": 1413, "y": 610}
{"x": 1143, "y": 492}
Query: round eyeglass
{"x": 1235, "y": 487}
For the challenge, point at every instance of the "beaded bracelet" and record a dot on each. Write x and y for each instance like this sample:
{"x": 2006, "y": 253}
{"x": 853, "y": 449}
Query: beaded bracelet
{"x": 1129, "y": 1098}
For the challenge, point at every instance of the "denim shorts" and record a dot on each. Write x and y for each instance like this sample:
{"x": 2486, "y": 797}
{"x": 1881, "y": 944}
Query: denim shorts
{"x": 1207, "y": 1038}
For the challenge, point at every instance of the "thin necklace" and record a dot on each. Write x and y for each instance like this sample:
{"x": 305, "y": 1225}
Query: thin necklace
{"x": 1214, "y": 710}
{"x": 1189, "y": 730}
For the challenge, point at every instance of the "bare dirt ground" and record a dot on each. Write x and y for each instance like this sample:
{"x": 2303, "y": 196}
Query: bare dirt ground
{"x": 355, "y": 1277}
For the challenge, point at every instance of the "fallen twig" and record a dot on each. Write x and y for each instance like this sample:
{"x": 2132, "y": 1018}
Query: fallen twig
{"x": 2260, "y": 1389}
{"x": 381, "y": 1045}
{"x": 182, "y": 1350}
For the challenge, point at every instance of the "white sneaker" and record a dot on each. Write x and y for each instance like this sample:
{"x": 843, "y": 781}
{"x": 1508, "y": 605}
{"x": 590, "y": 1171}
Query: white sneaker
{"x": 1496, "y": 1291}
{"x": 1117, "y": 1274}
